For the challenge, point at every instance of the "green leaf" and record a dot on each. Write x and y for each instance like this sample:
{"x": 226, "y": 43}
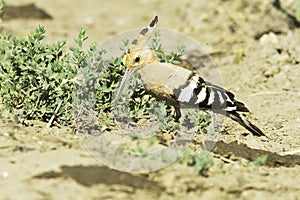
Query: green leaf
{"x": 298, "y": 11}
{"x": 260, "y": 160}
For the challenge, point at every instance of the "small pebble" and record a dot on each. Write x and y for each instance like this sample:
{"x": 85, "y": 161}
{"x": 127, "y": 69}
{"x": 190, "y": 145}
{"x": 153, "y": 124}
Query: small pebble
{"x": 268, "y": 38}
{"x": 4, "y": 174}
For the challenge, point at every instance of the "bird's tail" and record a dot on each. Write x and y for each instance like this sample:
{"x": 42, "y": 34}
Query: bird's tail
{"x": 244, "y": 122}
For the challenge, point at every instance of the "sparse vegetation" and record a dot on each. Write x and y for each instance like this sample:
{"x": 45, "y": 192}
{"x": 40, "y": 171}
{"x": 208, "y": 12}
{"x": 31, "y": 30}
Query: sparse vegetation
{"x": 35, "y": 77}
{"x": 200, "y": 161}
{"x": 2, "y": 4}
{"x": 38, "y": 82}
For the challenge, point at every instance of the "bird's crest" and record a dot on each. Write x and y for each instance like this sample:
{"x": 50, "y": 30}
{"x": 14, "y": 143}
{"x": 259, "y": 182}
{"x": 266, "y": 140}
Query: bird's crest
{"x": 138, "y": 53}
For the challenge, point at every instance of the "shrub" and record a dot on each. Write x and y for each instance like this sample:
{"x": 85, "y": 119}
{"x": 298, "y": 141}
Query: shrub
{"x": 36, "y": 80}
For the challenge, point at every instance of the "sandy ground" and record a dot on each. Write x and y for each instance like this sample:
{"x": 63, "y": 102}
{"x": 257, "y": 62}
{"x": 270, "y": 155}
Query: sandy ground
{"x": 51, "y": 164}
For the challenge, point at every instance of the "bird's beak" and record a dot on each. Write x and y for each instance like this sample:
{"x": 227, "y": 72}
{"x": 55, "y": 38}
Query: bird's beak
{"x": 122, "y": 85}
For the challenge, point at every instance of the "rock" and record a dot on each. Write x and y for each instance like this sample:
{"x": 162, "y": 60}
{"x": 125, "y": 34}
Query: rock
{"x": 268, "y": 38}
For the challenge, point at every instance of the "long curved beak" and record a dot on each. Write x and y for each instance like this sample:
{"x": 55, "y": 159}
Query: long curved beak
{"x": 122, "y": 85}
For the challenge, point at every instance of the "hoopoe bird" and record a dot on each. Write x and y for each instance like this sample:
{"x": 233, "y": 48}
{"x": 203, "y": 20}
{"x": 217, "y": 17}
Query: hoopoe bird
{"x": 178, "y": 86}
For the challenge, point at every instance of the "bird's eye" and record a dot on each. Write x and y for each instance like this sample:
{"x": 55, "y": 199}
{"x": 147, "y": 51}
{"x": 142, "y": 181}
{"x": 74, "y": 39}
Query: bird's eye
{"x": 137, "y": 59}
{"x": 122, "y": 63}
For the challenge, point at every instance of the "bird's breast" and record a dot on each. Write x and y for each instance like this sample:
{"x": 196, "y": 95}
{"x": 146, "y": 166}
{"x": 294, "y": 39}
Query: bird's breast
{"x": 162, "y": 79}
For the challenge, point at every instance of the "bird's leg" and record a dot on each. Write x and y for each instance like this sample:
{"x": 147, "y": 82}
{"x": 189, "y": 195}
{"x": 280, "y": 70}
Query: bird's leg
{"x": 212, "y": 122}
{"x": 177, "y": 114}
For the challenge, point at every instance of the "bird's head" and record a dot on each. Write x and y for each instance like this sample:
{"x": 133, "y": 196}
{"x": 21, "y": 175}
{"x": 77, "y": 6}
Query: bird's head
{"x": 138, "y": 55}
{"x": 136, "y": 59}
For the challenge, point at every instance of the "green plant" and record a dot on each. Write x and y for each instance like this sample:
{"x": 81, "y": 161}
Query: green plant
{"x": 298, "y": 11}
{"x": 37, "y": 80}
{"x": 201, "y": 121}
{"x": 200, "y": 161}
{"x": 90, "y": 65}
{"x": 2, "y": 4}
{"x": 173, "y": 57}
{"x": 260, "y": 160}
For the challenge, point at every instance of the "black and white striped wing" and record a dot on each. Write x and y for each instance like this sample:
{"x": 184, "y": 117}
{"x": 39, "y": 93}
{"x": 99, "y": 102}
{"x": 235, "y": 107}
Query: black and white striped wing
{"x": 206, "y": 96}
{"x": 198, "y": 93}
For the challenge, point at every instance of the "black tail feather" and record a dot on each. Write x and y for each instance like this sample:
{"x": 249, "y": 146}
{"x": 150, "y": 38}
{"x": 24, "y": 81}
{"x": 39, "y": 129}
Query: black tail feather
{"x": 245, "y": 123}
{"x": 241, "y": 106}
